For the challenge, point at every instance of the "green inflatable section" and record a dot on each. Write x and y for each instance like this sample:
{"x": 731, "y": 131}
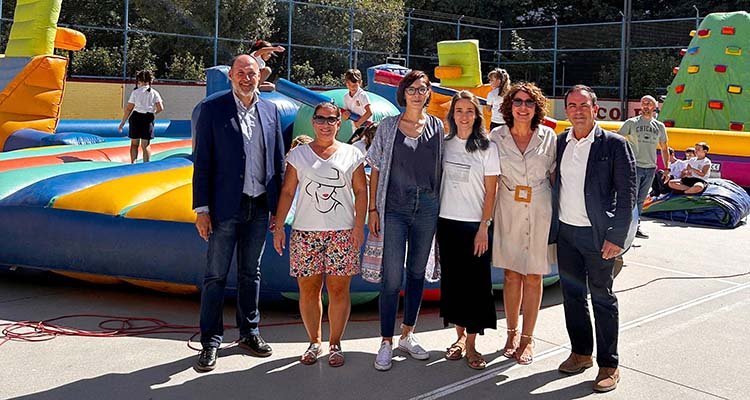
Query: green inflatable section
{"x": 380, "y": 107}
{"x": 465, "y": 54}
{"x": 34, "y": 28}
{"x": 712, "y": 87}
{"x": 17, "y": 179}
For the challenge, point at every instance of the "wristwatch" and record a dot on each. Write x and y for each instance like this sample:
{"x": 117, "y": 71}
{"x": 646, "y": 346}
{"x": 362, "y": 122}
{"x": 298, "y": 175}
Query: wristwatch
{"x": 487, "y": 222}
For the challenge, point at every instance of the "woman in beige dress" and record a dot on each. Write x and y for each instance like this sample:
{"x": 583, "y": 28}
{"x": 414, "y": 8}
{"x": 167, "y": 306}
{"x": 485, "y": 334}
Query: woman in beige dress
{"x": 523, "y": 212}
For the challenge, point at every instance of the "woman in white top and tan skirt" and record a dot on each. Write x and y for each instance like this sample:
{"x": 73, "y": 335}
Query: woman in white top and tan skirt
{"x": 523, "y": 212}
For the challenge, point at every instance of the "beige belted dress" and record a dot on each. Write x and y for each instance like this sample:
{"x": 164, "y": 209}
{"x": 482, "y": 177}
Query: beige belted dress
{"x": 523, "y": 216}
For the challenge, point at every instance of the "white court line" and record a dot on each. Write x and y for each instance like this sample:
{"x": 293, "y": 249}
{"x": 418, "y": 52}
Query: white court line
{"x": 491, "y": 373}
{"x": 674, "y": 271}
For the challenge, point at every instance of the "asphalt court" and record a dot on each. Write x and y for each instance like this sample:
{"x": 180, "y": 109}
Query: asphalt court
{"x": 683, "y": 335}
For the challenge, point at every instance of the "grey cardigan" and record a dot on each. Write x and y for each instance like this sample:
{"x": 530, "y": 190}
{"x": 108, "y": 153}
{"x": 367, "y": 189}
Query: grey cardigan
{"x": 380, "y": 157}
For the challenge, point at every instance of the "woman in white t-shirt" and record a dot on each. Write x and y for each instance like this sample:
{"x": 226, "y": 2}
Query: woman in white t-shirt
{"x": 500, "y": 83}
{"x": 143, "y": 105}
{"x": 328, "y": 227}
{"x": 464, "y": 234}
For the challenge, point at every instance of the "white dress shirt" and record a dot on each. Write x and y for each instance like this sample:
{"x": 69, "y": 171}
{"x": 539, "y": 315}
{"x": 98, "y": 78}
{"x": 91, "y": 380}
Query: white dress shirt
{"x": 573, "y": 179}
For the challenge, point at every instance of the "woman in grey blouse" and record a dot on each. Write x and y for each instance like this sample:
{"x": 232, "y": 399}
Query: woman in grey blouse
{"x": 404, "y": 197}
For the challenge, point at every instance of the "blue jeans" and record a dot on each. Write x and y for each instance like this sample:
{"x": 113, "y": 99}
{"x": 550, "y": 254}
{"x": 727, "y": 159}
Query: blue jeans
{"x": 414, "y": 224}
{"x": 583, "y": 270}
{"x": 246, "y": 230}
{"x": 645, "y": 178}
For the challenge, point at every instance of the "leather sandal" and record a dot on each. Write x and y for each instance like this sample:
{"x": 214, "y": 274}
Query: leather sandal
{"x": 475, "y": 360}
{"x": 521, "y": 358}
{"x": 455, "y": 351}
{"x": 310, "y": 356}
{"x": 507, "y": 351}
{"x": 335, "y": 356}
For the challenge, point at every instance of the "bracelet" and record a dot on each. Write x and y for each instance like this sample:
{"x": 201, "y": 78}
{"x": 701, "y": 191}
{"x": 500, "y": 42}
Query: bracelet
{"x": 372, "y": 210}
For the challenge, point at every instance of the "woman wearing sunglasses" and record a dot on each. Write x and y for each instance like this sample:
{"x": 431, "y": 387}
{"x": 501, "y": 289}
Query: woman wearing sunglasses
{"x": 467, "y": 201}
{"x": 523, "y": 212}
{"x": 405, "y": 157}
{"x": 328, "y": 227}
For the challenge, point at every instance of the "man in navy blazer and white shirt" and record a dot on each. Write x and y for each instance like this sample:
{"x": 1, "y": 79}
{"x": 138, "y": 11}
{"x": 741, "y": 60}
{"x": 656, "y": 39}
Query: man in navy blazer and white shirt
{"x": 594, "y": 194}
{"x": 238, "y": 162}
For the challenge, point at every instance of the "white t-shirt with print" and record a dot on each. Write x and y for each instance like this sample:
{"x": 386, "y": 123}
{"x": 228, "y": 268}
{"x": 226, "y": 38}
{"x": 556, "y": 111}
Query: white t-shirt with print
{"x": 357, "y": 103}
{"x": 699, "y": 164}
{"x": 495, "y": 100}
{"x": 325, "y": 201}
{"x": 144, "y": 100}
{"x": 462, "y": 188}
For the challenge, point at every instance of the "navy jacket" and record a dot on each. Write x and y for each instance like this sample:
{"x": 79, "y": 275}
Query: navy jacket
{"x": 610, "y": 187}
{"x": 219, "y": 156}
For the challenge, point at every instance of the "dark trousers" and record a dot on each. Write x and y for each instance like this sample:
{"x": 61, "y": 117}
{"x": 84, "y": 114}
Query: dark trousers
{"x": 246, "y": 231}
{"x": 579, "y": 262}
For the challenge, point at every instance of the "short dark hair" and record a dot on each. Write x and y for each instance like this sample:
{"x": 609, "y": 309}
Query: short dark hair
{"x": 704, "y": 145}
{"x": 411, "y": 77}
{"x": 353, "y": 75}
{"x": 259, "y": 44}
{"x": 144, "y": 76}
{"x": 327, "y": 104}
{"x": 581, "y": 88}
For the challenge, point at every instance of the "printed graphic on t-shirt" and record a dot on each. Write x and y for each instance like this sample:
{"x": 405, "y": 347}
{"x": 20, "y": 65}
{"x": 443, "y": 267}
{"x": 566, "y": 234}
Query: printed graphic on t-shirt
{"x": 457, "y": 172}
{"x": 322, "y": 189}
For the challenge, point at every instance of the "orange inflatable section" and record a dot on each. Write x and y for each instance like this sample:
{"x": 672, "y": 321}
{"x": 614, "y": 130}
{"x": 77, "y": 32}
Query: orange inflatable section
{"x": 118, "y": 154}
{"x": 32, "y": 99}
{"x": 69, "y": 39}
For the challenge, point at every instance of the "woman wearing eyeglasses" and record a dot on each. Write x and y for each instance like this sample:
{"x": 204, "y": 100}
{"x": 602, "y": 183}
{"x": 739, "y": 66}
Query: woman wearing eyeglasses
{"x": 328, "y": 227}
{"x": 523, "y": 212}
{"x": 404, "y": 194}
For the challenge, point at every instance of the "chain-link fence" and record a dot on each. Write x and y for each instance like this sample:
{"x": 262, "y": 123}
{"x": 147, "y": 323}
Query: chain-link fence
{"x": 322, "y": 41}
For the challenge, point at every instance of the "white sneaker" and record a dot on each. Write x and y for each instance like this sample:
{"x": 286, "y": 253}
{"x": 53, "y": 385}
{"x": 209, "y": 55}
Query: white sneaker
{"x": 384, "y": 359}
{"x": 410, "y": 345}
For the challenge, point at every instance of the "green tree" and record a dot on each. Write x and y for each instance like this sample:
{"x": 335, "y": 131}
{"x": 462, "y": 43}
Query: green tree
{"x": 186, "y": 66}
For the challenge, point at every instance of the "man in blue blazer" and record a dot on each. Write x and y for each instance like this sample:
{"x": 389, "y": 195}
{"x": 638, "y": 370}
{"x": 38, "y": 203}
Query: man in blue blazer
{"x": 594, "y": 195}
{"x": 238, "y": 160}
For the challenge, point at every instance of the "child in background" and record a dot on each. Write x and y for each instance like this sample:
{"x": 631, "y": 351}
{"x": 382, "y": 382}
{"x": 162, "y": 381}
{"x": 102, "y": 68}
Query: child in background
{"x": 696, "y": 173}
{"x": 356, "y": 101}
{"x": 263, "y": 51}
{"x": 364, "y": 139}
{"x": 500, "y": 83}
{"x": 143, "y": 105}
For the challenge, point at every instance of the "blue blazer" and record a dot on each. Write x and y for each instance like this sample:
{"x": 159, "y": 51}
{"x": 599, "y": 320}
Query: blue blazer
{"x": 609, "y": 189}
{"x": 219, "y": 156}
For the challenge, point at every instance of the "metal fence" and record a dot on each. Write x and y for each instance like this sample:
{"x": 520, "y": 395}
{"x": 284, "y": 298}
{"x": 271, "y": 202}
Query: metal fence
{"x": 616, "y": 58}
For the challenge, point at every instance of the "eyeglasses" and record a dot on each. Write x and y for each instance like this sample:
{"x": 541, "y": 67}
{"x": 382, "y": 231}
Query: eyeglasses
{"x": 530, "y": 103}
{"x": 413, "y": 90}
{"x": 320, "y": 120}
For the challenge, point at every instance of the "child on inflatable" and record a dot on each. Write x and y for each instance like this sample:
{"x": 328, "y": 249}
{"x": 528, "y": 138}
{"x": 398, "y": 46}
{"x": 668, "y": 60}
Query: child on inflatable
{"x": 143, "y": 105}
{"x": 356, "y": 101}
{"x": 262, "y": 51}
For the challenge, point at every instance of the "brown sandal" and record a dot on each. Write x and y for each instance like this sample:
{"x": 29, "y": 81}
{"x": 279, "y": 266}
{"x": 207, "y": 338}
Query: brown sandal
{"x": 475, "y": 360}
{"x": 456, "y": 351}
{"x": 509, "y": 352}
{"x": 310, "y": 356}
{"x": 335, "y": 356}
{"x": 527, "y": 341}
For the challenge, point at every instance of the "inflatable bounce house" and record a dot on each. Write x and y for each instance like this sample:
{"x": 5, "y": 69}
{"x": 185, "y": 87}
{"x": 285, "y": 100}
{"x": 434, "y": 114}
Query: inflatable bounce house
{"x": 70, "y": 201}
{"x": 709, "y": 101}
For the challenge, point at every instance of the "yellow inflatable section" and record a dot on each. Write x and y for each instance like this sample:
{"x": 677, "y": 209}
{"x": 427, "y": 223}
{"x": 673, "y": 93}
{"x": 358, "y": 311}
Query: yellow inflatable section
{"x": 130, "y": 191}
{"x": 459, "y": 65}
{"x": 34, "y": 28}
{"x": 174, "y": 205}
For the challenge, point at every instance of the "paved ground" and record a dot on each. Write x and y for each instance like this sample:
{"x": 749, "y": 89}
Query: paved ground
{"x": 683, "y": 335}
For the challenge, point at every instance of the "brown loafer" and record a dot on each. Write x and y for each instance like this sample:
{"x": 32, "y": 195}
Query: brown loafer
{"x": 576, "y": 363}
{"x": 606, "y": 380}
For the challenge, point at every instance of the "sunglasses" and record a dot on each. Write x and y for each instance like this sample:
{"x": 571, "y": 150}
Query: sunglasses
{"x": 320, "y": 120}
{"x": 530, "y": 103}
{"x": 412, "y": 90}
